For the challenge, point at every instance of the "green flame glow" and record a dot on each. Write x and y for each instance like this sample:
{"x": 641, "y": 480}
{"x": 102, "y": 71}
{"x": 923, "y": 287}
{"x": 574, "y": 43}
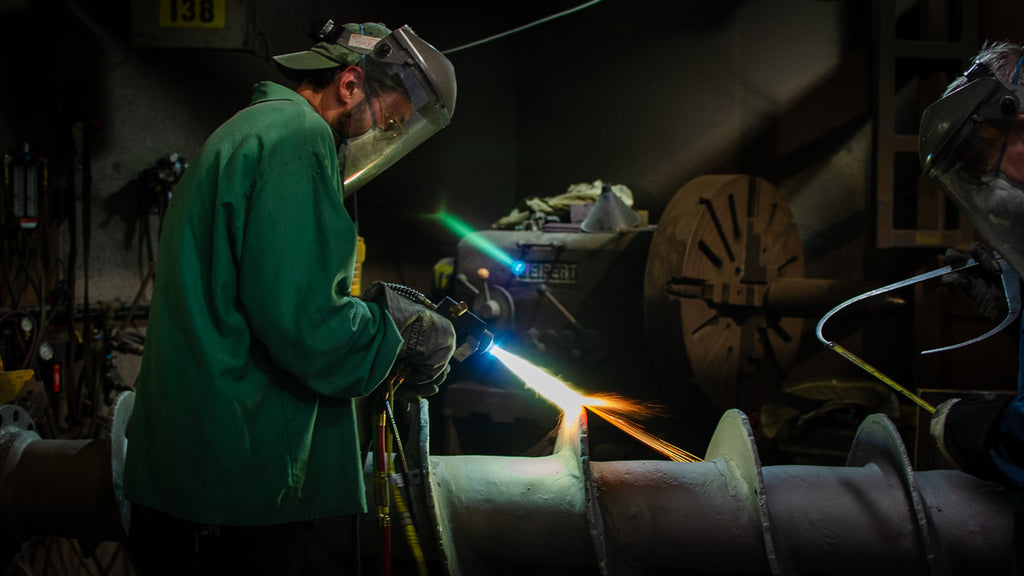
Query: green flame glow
{"x": 479, "y": 242}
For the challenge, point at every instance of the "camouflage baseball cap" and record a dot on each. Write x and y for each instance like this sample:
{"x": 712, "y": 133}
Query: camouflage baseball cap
{"x": 353, "y": 42}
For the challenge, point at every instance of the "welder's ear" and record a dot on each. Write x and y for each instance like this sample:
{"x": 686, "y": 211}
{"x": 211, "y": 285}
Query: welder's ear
{"x": 350, "y": 82}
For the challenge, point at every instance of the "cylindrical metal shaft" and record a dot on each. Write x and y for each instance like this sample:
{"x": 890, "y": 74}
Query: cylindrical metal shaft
{"x": 723, "y": 515}
{"x": 493, "y": 514}
{"x": 813, "y": 297}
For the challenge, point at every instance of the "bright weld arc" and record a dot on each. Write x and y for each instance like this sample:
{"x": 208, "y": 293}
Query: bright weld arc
{"x": 571, "y": 402}
{"x": 542, "y": 382}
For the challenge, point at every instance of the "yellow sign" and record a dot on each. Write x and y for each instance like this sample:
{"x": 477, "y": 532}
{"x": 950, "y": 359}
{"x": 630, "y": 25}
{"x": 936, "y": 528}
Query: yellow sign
{"x": 11, "y": 383}
{"x": 192, "y": 13}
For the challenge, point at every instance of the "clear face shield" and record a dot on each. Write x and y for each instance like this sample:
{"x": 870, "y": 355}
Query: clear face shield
{"x": 409, "y": 105}
{"x": 972, "y": 144}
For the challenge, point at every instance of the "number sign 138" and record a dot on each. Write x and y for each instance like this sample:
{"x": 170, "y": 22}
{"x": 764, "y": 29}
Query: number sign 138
{"x": 192, "y": 13}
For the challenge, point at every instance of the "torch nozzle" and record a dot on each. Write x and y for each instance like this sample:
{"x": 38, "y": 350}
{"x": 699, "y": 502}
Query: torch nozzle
{"x": 471, "y": 334}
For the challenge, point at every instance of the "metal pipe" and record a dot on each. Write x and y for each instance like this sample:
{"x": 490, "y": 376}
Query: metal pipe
{"x": 490, "y": 514}
{"x": 542, "y": 497}
{"x": 694, "y": 517}
{"x": 813, "y": 297}
{"x": 68, "y": 488}
{"x": 723, "y": 515}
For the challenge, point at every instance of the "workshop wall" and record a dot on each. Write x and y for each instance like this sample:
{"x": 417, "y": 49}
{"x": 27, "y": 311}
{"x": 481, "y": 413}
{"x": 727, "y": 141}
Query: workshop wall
{"x": 645, "y": 93}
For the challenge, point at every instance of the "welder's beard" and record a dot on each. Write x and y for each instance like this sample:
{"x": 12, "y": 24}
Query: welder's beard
{"x": 995, "y": 206}
{"x": 354, "y": 122}
{"x": 366, "y": 149}
{"x": 352, "y": 126}
{"x": 1002, "y": 200}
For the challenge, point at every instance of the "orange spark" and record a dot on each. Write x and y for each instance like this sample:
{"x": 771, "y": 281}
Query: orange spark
{"x": 614, "y": 409}
{"x": 608, "y": 410}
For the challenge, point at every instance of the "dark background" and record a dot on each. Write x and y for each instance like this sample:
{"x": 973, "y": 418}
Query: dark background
{"x": 645, "y": 93}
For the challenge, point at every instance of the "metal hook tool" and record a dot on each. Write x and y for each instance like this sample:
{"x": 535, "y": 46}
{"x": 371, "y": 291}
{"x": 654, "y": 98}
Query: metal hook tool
{"x": 1011, "y": 287}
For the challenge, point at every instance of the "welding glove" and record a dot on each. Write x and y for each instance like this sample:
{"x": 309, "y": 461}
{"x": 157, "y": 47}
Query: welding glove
{"x": 982, "y": 285}
{"x": 963, "y": 429}
{"x": 429, "y": 338}
{"x": 412, "y": 393}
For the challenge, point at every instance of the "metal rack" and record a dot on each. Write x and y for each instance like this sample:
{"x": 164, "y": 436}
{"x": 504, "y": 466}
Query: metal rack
{"x": 910, "y": 74}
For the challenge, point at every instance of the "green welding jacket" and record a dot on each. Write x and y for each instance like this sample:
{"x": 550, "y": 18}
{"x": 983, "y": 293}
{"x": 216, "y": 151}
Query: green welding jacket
{"x": 255, "y": 349}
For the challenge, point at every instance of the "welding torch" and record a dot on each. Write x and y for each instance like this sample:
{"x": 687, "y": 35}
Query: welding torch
{"x": 471, "y": 334}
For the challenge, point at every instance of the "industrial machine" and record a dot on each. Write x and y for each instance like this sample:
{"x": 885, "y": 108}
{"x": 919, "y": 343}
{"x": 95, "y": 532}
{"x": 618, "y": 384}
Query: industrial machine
{"x": 702, "y": 313}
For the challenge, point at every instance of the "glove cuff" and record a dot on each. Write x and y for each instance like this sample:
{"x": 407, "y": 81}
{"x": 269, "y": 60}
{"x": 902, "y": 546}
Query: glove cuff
{"x": 962, "y": 429}
{"x": 937, "y": 428}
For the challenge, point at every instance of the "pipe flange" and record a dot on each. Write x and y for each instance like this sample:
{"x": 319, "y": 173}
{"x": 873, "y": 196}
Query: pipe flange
{"x": 122, "y": 408}
{"x": 878, "y": 442}
{"x": 436, "y": 506}
{"x": 592, "y": 496}
{"x": 733, "y": 441}
{"x": 17, "y": 430}
{"x": 12, "y": 415}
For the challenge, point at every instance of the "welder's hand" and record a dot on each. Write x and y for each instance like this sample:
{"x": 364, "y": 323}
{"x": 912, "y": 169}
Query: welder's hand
{"x": 412, "y": 393}
{"x": 963, "y": 429}
{"x": 982, "y": 285}
{"x": 429, "y": 337}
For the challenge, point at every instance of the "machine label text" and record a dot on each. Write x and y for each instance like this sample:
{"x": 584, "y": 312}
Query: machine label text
{"x": 549, "y": 272}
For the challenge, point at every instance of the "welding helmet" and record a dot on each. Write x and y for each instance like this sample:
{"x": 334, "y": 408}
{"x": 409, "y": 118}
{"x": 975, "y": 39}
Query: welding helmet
{"x": 397, "y": 64}
{"x": 963, "y": 147}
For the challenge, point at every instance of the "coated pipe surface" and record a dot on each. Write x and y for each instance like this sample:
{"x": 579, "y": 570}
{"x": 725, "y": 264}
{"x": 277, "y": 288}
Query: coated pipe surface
{"x": 723, "y": 515}
{"x": 492, "y": 514}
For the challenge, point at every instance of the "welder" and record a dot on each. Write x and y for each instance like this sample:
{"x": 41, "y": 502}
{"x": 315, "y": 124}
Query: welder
{"x": 972, "y": 144}
{"x": 244, "y": 428}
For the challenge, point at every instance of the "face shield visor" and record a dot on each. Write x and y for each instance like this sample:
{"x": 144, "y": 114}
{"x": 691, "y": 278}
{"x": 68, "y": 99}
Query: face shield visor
{"x": 411, "y": 93}
{"x": 969, "y": 139}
